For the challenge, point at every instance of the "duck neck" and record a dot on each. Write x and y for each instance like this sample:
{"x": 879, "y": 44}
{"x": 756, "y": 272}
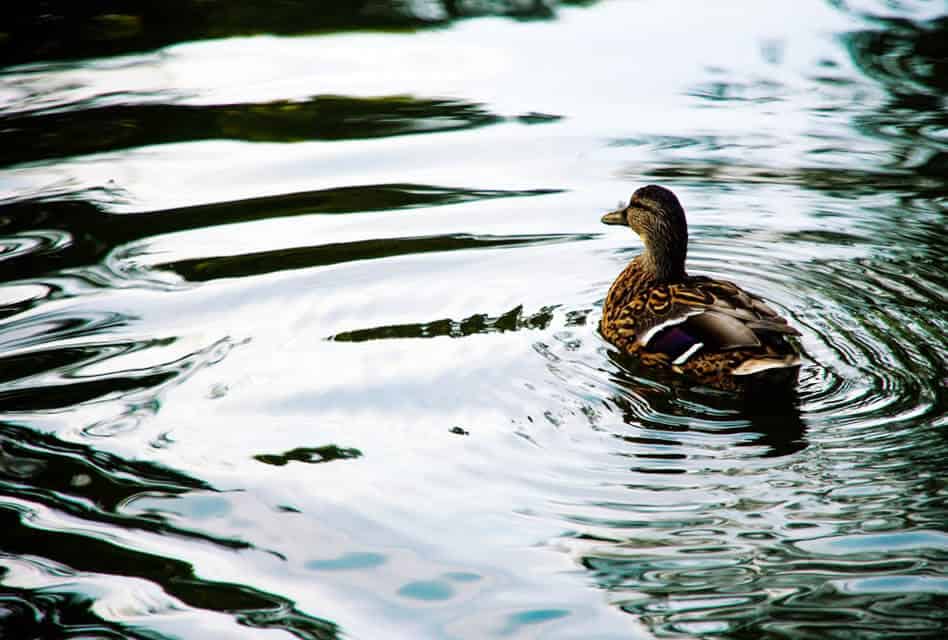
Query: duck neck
{"x": 664, "y": 255}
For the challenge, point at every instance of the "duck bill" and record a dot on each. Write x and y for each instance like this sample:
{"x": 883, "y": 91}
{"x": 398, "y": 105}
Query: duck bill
{"x": 615, "y": 217}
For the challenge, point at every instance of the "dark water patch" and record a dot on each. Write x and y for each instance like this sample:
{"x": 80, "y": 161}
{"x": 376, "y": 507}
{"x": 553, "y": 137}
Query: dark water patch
{"x": 839, "y": 181}
{"x": 480, "y": 323}
{"x": 770, "y": 425}
{"x": 674, "y": 423}
{"x": 64, "y": 30}
{"x": 64, "y": 363}
{"x": 27, "y": 365}
{"x": 338, "y": 200}
{"x": 34, "y": 243}
{"x": 43, "y": 327}
{"x": 96, "y": 232}
{"x": 91, "y": 366}
{"x": 90, "y": 484}
{"x": 811, "y": 611}
{"x": 46, "y": 398}
{"x": 81, "y": 129}
{"x": 294, "y": 622}
{"x": 909, "y": 57}
{"x": 253, "y": 264}
{"x": 89, "y": 553}
{"x": 81, "y": 472}
{"x": 917, "y": 127}
{"x": 42, "y": 474}
{"x": 309, "y": 455}
{"x": 534, "y": 117}
{"x": 57, "y": 615}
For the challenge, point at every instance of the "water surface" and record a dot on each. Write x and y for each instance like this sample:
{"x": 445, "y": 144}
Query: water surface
{"x": 298, "y": 321}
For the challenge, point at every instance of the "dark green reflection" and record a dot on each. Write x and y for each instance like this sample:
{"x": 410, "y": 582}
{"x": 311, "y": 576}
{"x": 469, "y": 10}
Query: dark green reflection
{"x": 83, "y": 482}
{"x": 59, "y": 614}
{"x": 309, "y": 455}
{"x": 841, "y": 181}
{"x": 48, "y": 469}
{"x": 93, "y": 485}
{"x": 40, "y": 398}
{"x": 95, "y": 232}
{"x": 910, "y": 60}
{"x": 85, "y": 129}
{"x": 87, "y": 553}
{"x": 476, "y": 324}
{"x": 252, "y": 264}
{"x": 67, "y": 29}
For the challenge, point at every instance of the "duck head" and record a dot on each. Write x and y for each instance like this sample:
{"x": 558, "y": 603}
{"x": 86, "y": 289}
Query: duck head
{"x": 655, "y": 214}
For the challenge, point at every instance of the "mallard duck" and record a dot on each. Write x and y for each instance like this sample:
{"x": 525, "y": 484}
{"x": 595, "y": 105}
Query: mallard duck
{"x": 710, "y": 330}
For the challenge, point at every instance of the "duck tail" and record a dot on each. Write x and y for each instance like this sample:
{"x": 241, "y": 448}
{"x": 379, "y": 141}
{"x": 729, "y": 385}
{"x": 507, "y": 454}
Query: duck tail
{"x": 768, "y": 372}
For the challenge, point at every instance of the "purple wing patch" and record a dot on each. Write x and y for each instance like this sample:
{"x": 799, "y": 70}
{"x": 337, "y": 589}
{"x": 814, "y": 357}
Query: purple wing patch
{"x": 673, "y": 341}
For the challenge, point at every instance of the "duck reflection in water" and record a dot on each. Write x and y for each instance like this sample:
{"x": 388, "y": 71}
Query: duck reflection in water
{"x": 662, "y": 401}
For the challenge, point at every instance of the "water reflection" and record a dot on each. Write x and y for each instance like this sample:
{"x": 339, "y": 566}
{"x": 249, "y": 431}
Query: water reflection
{"x": 121, "y": 603}
{"x": 243, "y": 414}
{"x": 770, "y": 417}
{"x": 96, "y": 232}
{"x": 84, "y": 129}
{"x": 297, "y": 258}
{"x": 730, "y": 572}
{"x": 56, "y": 483}
{"x": 479, "y": 323}
{"x": 66, "y": 30}
{"x": 310, "y": 455}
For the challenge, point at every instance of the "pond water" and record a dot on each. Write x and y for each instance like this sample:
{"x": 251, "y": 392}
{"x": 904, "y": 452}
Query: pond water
{"x": 299, "y": 309}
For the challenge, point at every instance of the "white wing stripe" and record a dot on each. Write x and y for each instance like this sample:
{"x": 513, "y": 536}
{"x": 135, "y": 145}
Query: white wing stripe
{"x": 648, "y": 335}
{"x": 687, "y": 354}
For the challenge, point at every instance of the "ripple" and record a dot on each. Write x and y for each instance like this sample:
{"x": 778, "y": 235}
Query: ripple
{"x": 91, "y": 233}
{"x": 879, "y": 543}
{"x": 772, "y": 547}
{"x": 143, "y": 493}
{"x": 894, "y": 584}
{"x": 32, "y": 243}
{"x": 873, "y": 363}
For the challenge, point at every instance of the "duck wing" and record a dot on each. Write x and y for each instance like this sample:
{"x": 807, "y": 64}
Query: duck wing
{"x": 702, "y": 314}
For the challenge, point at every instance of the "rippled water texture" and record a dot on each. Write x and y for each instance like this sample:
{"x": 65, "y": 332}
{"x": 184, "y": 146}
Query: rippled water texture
{"x": 298, "y": 309}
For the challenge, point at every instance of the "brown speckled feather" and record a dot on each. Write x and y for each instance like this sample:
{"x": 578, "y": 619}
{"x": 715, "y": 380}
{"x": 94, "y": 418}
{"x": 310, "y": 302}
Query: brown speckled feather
{"x": 709, "y": 329}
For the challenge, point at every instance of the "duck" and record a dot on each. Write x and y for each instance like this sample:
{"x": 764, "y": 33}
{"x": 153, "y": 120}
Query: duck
{"x": 706, "y": 329}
